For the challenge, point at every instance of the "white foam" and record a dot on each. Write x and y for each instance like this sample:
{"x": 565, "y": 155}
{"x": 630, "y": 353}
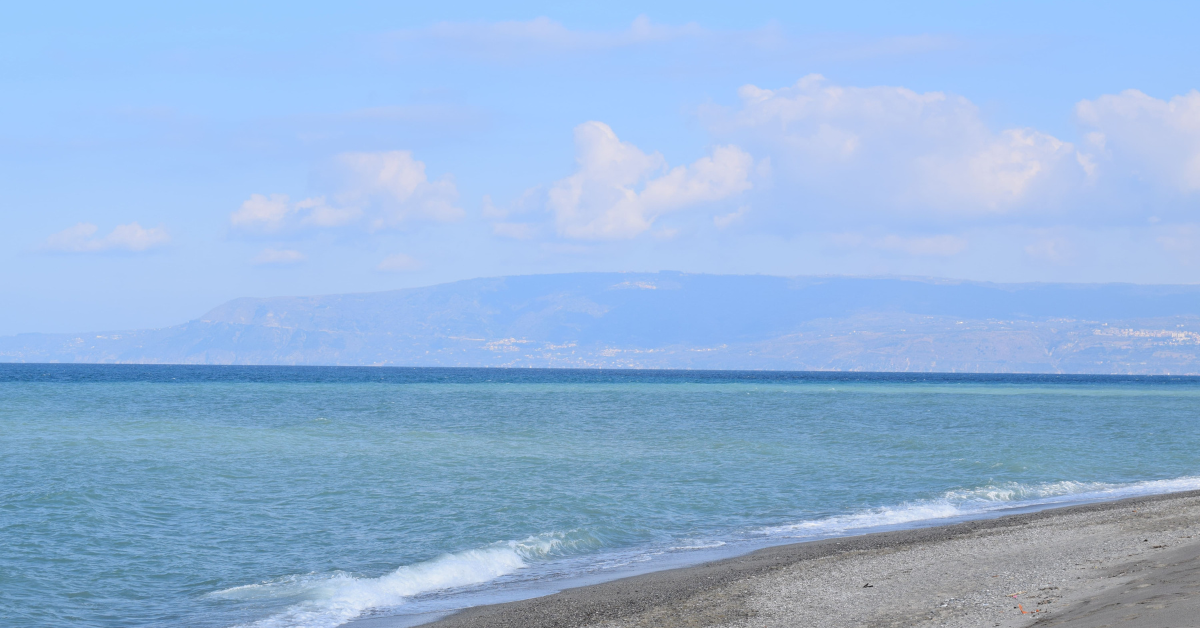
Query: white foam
{"x": 328, "y": 600}
{"x": 699, "y": 545}
{"x": 332, "y": 599}
{"x": 977, "y": 501}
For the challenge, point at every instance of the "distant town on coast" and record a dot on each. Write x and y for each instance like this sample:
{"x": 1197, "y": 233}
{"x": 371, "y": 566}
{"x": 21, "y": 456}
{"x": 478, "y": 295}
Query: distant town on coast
{"x": 680, "y": 320}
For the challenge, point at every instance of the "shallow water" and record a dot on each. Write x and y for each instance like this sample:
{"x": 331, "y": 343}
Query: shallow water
{"x": 297, "y": 496}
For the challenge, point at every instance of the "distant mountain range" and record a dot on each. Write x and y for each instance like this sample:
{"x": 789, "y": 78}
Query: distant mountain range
{"x": 679, "y": 320}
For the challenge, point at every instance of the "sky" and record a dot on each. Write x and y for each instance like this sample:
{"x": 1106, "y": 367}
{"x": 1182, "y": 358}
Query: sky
{"x": 159, "y": 159}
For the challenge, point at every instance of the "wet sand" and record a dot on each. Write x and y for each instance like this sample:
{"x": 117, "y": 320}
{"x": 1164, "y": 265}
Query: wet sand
{"x": 1133, "y": 562}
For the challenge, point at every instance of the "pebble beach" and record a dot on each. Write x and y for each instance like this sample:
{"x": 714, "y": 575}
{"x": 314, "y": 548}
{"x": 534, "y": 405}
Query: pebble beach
{"x": 1133, "y": 562}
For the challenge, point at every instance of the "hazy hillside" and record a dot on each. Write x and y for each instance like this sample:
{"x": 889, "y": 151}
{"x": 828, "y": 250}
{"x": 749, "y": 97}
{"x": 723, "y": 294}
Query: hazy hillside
{"x": 675, "y": 320}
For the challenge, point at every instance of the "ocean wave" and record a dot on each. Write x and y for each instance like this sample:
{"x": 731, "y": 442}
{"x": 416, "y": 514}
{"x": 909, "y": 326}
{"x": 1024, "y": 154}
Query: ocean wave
{"x": 965, "y": 503}
{"x": 332, "y": 599}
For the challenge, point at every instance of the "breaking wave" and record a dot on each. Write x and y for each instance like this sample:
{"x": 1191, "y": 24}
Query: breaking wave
{"x": 332, "y": 599}
{"x": 980, "y": 501}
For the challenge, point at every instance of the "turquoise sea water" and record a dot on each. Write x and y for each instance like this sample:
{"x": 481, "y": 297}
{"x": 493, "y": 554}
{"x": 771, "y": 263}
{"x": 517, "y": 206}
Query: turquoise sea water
{"x": 295, "y": 496}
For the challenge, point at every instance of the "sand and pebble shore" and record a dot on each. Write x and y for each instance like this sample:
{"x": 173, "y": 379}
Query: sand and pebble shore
{"x": 1134, "y": 562}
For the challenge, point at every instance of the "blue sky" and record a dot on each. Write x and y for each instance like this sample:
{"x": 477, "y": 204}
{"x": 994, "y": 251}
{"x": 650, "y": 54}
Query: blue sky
{"x": 157, "y": 160}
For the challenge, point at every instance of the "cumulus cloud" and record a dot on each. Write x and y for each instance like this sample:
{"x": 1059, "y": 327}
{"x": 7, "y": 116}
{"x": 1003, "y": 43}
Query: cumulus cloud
{"x": 278, "y": 256}
{"x": 618, "y": 190}
{"x": 131, "y": 237}
{"x": 894, "y": 149}
{"x": 395, "y": 186}
{"x": 378, "y": 190}
{"x": 266, "y": 213}
{"x": 1157, "y": 141}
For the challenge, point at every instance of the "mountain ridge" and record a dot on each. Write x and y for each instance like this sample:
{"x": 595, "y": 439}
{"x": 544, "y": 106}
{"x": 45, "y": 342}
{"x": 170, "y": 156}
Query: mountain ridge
{"x": 681, "y": 320}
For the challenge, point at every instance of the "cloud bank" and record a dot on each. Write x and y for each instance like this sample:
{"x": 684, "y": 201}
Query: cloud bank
{"x": 896, "y": 150}
{"x": 884, "y": 171}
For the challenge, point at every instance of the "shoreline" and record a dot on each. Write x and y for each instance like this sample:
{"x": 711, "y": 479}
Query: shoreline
{"x": 731, "y": 591}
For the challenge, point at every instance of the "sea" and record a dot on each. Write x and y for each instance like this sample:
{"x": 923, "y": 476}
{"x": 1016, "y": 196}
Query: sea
{"x": 288, "y": 497}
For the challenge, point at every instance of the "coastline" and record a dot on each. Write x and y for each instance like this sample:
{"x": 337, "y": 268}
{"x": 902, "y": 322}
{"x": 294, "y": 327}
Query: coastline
{"x": 1064, "y": 565}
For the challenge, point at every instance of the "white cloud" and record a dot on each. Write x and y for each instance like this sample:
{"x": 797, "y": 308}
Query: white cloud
{"x": 725, "y": 220}
{"x": 490, "y": 210}
{"x": 278, "y": 256}
{"x": 1154, "y": 140}
{"x": 394, "y": 186}
{"x": 893, "y": 149}
{"x": 130, "y": 237}
{"x": 398, "y": 263}
{"x": 320, "y": 214}
{"x": 265, "y": 213}
{"x": 602, "y": 200}
{"x": 381, "y": 189}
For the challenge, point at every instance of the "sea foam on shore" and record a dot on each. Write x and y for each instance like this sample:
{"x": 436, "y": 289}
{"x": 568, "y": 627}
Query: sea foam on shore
{"x": 1129, "y": 562}
{"x": 978, "y": 502}
{"x": 329, "y": 600}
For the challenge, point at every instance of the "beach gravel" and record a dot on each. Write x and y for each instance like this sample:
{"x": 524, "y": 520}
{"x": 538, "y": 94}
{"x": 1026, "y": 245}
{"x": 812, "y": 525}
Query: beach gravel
{"x": 1134, "y": 562}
